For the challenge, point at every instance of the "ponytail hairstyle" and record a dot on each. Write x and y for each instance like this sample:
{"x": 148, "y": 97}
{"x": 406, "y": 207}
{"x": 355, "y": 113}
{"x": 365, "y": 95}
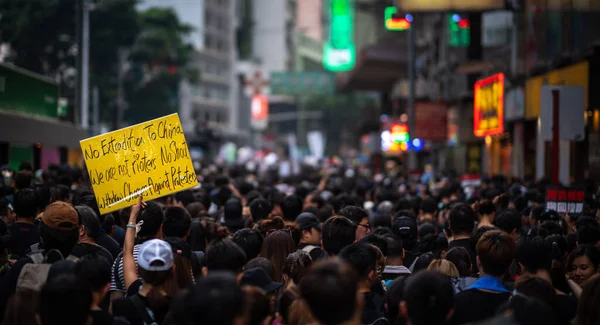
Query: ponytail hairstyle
{"x": 157, "y": 302}
{"x": 459, "y": 256}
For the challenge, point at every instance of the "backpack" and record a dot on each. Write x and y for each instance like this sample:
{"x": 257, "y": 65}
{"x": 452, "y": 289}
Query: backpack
{"x": 34, "y": 275}
{"x": 309, "y": 248}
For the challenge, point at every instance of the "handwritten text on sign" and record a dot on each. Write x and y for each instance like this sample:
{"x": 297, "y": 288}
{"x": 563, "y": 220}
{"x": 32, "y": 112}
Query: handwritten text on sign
{"x": 150, "y": 158}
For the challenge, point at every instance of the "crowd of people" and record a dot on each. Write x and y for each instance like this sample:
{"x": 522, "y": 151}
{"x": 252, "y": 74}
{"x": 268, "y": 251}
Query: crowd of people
{"x": 321, "y": 248}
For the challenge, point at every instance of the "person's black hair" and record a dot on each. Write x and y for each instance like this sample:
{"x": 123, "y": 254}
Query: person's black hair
{"x": 95, "y": 270}
{"x": 591, "y": 252}
{"x": 509, "y": 220}
{"x": 531, "y": 311}
{"x": 89, "y": 220}
{"x": 261, "y": 263}
{"x": 233, "y": 208}
{"x": 537, "y": 213}
{"x": 61, "y": 192}
{"x": 225, "y": 255}
{"x": 337, "y": 233}
{"x": 476, "y": 235}
{"x": 520, "y": 203}
{"x": 394, "y": 246}
{"x": 586, "y": 221}
{"x": 434, "y": 244}
{"x": 429, "y": 297}
{"x": 260, "y": 209}
{"x": 87, "y": 198}
{"x": 540, "y": 289}
{"x": 65, "y": 299}
{"x": 177, "y": 222}
{"x": 25, "y": 165}
{"x": 250, "y": 240}
{"x": 588, "y": 235}
{"x": 354, "y": 213}
{"x": 291, "y": 207}
{"x": 380, "y": 221}
{"x": 382, "y": 231}
{"x": 428, "y": 206}
{"x": 537, "y": 231}
{"x": 186, "y": 197}
{"x": 486, "y": 207}
{"x": 426, "y": 229}
{"x": 462, "y": 219}
{"x": 330, "y": 292}
{"x": 377, "y": 241}
{"x": 204, "y": 199}
{"x": 459, "y": 256}
{"x": 315, "y": 199}
{"x": 44, "y": 195}
{"x": 534, "y": 254}
{"x": 61, "y": 240}
{"x": 223, "y": 194}
{"x": 23, "y": 179}
{"x": 423, "y": 262}
{"x": 324, "y": 212}
{"x": 153, "y": 218}
{"x": 393, "y": 296}
{"x": 251, "y": 196}
{"x": 340, "y": 202}
{"x": 215, "y": 299}
{"x": 25, "y": 203}
{"x": 362, "y": 257}
{"x": 552, "y": 227}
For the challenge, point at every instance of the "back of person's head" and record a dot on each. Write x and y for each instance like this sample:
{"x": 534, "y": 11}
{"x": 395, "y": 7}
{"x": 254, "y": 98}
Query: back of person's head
{"x": 257, "y": 305}
{"x": 23, "y": 179}
{"x": 588, "y": 235}
{"x": 537, "y": 212}
{"x": 586, "y": 221}
{"x": 330, "y": 291}
{"x": 444, "y": 267}
{"x": 250, "y": 240}
{"x": 194, "y": 209}
{"x": 215, "y": 299}
{"x": 531, "y": 286}
{"x": 588, "y": 312}
{"x": 59, "y": 228}
{"x": 486, "y": 208}
{"x": 354, "y": 213}
{"x": 422, "y": 262}
{"x": 377, "y": 241}
{"x": 509, "y": 221}
{"x": 459, "y": 256}
{"x": 434, "y": 244}
{"x": 268, "y": 226}
{"x": 288, "y": 297}
{"x": 185, "y": 197}
{"x": 65, "y": 299}
{"x": 25, "y": 203}
{"x": 177, "y": 222}
{"x": 531, "y": 311}
{"x": 428, "y": 206}
{"x": 89, "y": 220}
{"x": 462, "y": 219}
{"x": 232, "y": 210}
{"x": 362, "y": 257}
{"x": 96, "y": 271}
{"x": 276, "y": 247}
{"x": 83, "y": 197}
{"x": 61, "y": 193}
{"x": 495, "y": 252}
{"x": 394, "y": 246}
{"x": 393, "y": 296}
{"x": 153, "y": 218}
{"x": 428, "y": 298}
{"x": 296, "y": 266}
{"x": 263, "y": 264}
{"x": 22, "y": 308}
{"x": 291, "y": 207}
{"x": 555, "y": 228}
{"x": 534, "y": 255}
{"x": 225, "y": 255}
{"x": 260, "y": 209}
{"x": 337, "y": 233}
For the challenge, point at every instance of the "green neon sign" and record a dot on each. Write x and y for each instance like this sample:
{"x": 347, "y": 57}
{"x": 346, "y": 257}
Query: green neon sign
{"x": 339, "y": 53}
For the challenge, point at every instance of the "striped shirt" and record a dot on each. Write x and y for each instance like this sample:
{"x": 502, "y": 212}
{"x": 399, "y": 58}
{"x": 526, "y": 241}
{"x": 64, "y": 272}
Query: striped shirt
{"x": 117, "y": 281}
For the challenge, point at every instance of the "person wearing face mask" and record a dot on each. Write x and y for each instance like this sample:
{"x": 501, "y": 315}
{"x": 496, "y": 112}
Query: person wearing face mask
{"x": 583, "y": 263}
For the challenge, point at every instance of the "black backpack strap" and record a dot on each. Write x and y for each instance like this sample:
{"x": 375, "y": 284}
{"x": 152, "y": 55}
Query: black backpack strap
{"x": 197, "y": 262}
{"x": 142, "y": 310}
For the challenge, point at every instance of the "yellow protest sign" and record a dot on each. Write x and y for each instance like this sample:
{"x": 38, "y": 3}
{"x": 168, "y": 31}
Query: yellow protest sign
{"x": 150, "y": 158}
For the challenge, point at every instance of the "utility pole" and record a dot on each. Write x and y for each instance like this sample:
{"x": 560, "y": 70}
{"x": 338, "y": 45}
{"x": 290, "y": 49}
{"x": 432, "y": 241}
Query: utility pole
{"x": 412, "y": 155}
{"x": 96, "y": 111}
{"x": 78, "y": 29}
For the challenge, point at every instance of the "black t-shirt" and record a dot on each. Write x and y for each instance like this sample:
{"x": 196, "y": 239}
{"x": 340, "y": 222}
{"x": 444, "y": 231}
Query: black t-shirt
{"x": 109, "y": 243}
{"x": 23, "y": 235}
{"x": 125, "y": 307}
{"x": 475, "y": 305}
{"x": 83, "y": 249}
{"x": 567, "y": 308}
{"x": 468, "y": 245}
{"x": 100, "y": 317}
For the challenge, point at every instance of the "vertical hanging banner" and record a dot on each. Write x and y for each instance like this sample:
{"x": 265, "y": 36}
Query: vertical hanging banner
{"x": 339, "y": 52}
{"x": 149, "y": 159}
{"x": 259, "y": 112}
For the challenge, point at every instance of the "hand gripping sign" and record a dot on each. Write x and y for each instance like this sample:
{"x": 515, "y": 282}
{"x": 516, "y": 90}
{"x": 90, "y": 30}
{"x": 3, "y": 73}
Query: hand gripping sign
{"x": 150, "y": 158}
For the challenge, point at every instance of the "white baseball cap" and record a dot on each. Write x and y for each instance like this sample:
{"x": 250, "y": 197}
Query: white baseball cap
{"x": 154, "y": 251}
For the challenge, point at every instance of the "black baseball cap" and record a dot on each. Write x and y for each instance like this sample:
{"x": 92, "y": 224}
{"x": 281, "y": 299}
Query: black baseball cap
{"x": 257, "y": 277}
{"x": 308, "y": 220}
{"x": 404, "y": 227}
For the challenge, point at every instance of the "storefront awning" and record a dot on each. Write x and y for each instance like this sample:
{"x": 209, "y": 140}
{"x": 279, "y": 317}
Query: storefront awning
{"x": 377, "y": 68}
{"x": 24, "y": 129}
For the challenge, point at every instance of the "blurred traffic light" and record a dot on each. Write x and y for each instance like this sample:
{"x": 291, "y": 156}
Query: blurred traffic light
{"x": 459, "y": 30}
